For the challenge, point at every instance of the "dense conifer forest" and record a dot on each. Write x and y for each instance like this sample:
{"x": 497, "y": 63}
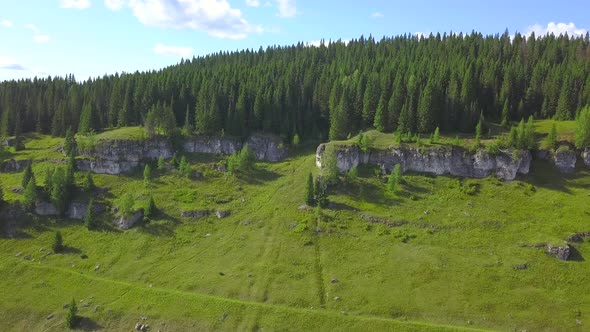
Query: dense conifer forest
{"x": 406, "y": 83}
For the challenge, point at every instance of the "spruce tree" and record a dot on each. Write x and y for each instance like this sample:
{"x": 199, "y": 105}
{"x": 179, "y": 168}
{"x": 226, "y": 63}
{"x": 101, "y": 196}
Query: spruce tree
{"x": 72, "y": 316}
{"x": 161, "y": 163}
{"x": 320, "y": 192}
{"x": 90, "y": 218}
{"x": 394, "y": 178}
{"x": 309, "y": 191}
{"x": 339, "y": 120}
{"x": 150, "y": 209}
{"x": 89, "y": 182}
{"x": 147, "y": 175}
{"x": 27, "y": 175}
{"x": 436, "y": 136}
{"x": 57, "y": 245}
{"x": 551, "y": 139}
{"x": 70, "y": 145}
{"x": 87, "y": 119}
{"x": 30, "y": 193}
{"x": 478, "y": 130}
{"x": 582, "y": 133}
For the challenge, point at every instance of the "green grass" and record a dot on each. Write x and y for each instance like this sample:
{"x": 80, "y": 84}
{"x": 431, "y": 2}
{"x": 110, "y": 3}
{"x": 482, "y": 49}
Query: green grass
{"x": 269, "y": 265}
{"x": 126, "y": 133}
{"x": 565, "y": 129}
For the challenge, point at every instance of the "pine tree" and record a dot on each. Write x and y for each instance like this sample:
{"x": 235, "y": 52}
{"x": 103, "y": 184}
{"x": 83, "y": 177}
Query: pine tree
{"x": 582, "y": 133}
{"x": 309, "y": 191}
{"x": 27, "y": 175}
{"x": 59, "y": 190}
{"x": 72, "y": 316}
{"x": 90, "y": 218}
{"x": 184, "y": 167}
{"x": 320, "y": 192}
{"x": 505, "y": 114}
{"x": 150, "y": 209}
{"x": 529, "y": 133}
{"x": 339, "y": 120}
{"x": 188, "y": 125}
{"x": 57, "y": 245}
{"x": 380, "y": 122}
{"x": 30, "y": 193}
{"x": 427, "y": 109}
{"x": 551, "y": 140}
{"x": 87, "y": 119}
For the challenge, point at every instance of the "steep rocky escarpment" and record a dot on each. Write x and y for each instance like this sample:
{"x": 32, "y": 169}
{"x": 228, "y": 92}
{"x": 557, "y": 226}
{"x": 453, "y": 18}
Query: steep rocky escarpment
{"x": 586, "y": 156}
{"x": 440, "y": 160}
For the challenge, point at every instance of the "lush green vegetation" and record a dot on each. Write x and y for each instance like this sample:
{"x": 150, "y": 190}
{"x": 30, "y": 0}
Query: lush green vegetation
{"x": 407, "y": 83}
{"x": 439, "y": 253}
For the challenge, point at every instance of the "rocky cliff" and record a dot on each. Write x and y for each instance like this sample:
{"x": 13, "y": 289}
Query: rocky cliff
{"x": 440, "y": 160}
{"x": 265, "y": 147}
{"x": 586, "y": 156}
{"x": 12, "y": 165}
{"x": 122, "y": 156}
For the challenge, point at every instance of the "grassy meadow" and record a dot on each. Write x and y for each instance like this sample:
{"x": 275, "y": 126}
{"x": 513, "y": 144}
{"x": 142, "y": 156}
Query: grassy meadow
{"x": 435, "y": 257}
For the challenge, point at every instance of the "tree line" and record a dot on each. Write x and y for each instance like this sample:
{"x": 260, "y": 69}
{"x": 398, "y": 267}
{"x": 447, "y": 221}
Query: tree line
{"x": 405, "y": 83}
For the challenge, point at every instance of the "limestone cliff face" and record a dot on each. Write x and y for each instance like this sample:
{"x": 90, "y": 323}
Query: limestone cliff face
{"x": 564, "y": 161}
{"x": 586, "y": 156}
{"x": 265, "y": 147}
{"x": 440, "y": 160}
{"x": 122, "y": 156}
{"x": 12, "y": 165}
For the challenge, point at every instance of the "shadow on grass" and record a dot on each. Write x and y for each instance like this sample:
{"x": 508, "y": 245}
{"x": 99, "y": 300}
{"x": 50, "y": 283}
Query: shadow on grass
{"x": 258, "y": 175}
{"x": 544, "y": 175}
{"x": 162, "y": 224}
{"x": 575, "y": 255}
{"x": 87, "y": 324}
{"x": 68, "y": 250}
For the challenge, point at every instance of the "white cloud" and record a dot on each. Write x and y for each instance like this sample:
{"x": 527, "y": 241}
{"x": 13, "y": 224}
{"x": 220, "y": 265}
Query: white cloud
{"x": 377, "y": 15}
{"x": 253, "y": 3}
{"x": 114, "y": 5}
{"x": 178, "y": 51}
{"x": 6, "y": 23}
{"x": 32, "y": 27}
{"x": 287, "y": 8}
{"x": 9, "y": 63}
{"x": 556, "y": 29}
{"x": 42, "y": 39}
{"x": 216, "y": 17}
{"x": 75, "y": 4}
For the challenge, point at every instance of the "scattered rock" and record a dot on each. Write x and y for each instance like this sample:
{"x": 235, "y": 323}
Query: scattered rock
{"x": 17, "y": 190}
{"x": 65, "y": 306}
{"x": 343, "y": 312}
{"x": 141, "y": 327}
{"x": 427, "y": 212}
{"x": 386, "y": 222}
{"x": 41, "y": 249}
{"x": 86, "y": 305}
{"x": 337, "y": 298}
{"x": 250, "y": 275}
{"x": 208, "y": 235}
{"x": 578, "y": 322}
{"x": 221, "y": 274}
{"x": 334, "y": 281}
{"x": 50, "y": 316}
{"x": 521, "y": 266}
{"x": 303, "y": 207}
{"x": 96, "y": 267}
{"x": 246, "y": 223}
{"x": 18, "y": 254}
{"x": 222, "y": 214}
{"x": 126, "y": 222}
{"x": 578, "y": 237}
{"x": 97, "y": 308}
{"x": 196, "y": 214}
{"x": 562, "y": 253}
{"x": 27, "y": 257}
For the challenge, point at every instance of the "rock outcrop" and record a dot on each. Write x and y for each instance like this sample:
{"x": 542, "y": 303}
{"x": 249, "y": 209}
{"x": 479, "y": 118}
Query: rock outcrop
{"x": 586, "y": 156}
{"x": 562, "y": 253}
{"x": 112, "y": 167}
{"x": 12, "y": 142}
{"x": 11, "y": 216}
{"x": 265, "y": 147}
{"x": 126, "y": 222}
{"x": 212, "y": 145}
{"x": 440, "y": 160}
{"x": 12, "y": 165}
{"x": 564, "y": 160}
{"x": 122, "y": 156}
{"x": 77, "y": 210}
{"x": 197, "y": 214}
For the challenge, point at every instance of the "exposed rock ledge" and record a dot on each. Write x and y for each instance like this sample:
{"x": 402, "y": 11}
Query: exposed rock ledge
{"x": 440, "y": 160}
{"x": 12, "y": 165}
{"x": 586, "y": 156}
{"x": 76, "y": 210}
{"x": 122, "y": 156}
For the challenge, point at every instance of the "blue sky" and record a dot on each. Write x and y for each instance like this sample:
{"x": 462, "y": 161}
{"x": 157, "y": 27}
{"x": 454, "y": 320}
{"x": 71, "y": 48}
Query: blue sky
{"x": 94, "y": 37}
